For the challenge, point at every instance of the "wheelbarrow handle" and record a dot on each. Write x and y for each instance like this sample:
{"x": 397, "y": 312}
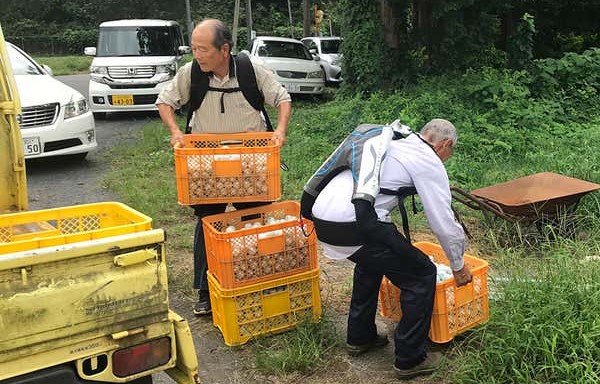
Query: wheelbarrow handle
{"x": 476, "y": 203}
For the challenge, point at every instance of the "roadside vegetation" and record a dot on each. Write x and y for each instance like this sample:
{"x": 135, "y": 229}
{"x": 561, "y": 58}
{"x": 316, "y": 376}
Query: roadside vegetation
{"x": 66, "y": 65}
{"x": 544, "y": 282}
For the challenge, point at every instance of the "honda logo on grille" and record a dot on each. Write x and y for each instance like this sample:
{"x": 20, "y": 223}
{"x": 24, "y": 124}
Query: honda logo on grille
{"x": 131, "y": 71}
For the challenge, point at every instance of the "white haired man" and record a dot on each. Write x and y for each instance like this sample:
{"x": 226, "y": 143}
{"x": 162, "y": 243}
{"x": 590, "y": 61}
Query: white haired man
{"x": 362, "y": 231}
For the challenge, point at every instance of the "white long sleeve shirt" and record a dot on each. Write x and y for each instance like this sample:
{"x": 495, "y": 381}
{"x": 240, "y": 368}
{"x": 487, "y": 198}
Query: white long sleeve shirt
{"x": 409, "y": 162}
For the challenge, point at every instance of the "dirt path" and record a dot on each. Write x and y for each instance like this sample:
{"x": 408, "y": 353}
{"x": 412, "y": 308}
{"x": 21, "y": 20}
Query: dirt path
{"x": 220, "y": 364}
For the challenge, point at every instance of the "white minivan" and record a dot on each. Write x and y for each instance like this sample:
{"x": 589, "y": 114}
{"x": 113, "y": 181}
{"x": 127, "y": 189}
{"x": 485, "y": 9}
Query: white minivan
{"x": 134, "y": 59}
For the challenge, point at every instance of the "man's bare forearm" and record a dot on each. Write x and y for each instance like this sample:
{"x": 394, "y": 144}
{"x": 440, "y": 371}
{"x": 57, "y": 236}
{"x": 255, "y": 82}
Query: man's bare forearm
{"x": 167, "y": 114}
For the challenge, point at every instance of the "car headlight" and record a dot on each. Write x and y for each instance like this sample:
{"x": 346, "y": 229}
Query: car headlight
{"x": 165, "y": 72}
{"x": 97, "y": 73}
{"x": 335, "y": 62}
{"x": 315, "y": 74}
{"x": 76, "y": 107}
{"x": 168, "y": 68}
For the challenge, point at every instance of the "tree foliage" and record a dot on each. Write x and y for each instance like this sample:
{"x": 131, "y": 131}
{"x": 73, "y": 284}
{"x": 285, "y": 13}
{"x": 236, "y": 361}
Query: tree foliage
{"x": 406, "y": 39}
{"x": 387, "y": 43}
{"x": 69, "y": 20}
{"x": 366, "y": 65}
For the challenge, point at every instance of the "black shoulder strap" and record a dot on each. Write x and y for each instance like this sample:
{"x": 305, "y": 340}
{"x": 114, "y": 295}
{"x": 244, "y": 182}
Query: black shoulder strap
{"x": 249, "y": 87}
{"x": 402, "y": 194}
{"x": 198, "y": 90}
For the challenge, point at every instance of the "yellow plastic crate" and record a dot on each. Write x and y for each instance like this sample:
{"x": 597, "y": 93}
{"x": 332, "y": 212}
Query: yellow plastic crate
{"x": 455, "y": 310}
{"x": 228, "y": 168}
{"x": 29, "y": 230}
{"x": 253, "y": 255}
{"x": 264, "y": 308}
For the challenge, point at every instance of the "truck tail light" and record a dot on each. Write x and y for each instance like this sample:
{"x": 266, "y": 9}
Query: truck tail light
{"x": 141, "y": 357}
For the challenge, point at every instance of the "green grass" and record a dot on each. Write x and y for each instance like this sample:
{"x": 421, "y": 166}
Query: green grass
{"x": 302, "y": 350}
{"x": 544, "y": 325}
{"x": 74, "y": 65}
{"x": 66, "y": 65}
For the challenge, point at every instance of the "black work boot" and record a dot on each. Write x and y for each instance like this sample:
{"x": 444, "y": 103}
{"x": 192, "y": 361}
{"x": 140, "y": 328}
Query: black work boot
{"x": 378, "y": 342}
{"x": 431, "y": 363}
{"x": 202, "y": 306}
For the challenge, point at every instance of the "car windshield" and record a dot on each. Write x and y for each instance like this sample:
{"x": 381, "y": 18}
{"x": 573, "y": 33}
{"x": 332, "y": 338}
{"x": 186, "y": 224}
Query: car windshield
{"x": 21, "y": 64}
{"x": 136, "y": 41}
{"x": 330, "y": 46}
{"x": 289, "y": 50}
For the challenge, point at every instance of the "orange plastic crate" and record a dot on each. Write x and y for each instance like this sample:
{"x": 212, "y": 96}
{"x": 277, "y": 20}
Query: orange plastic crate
{"x": 264, "y": 308}
{"x": 249, "y": 256}
{"x": 455, "y": 310}
{"x": 228, "y": 168}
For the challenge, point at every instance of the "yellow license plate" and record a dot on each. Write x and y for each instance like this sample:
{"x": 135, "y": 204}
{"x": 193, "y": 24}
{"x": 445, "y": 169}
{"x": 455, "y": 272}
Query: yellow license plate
{"x": 122, "y": 99}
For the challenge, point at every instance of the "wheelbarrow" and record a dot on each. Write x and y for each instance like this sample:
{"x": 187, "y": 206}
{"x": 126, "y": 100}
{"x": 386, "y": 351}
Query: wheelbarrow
{"x": 528, "y": 199}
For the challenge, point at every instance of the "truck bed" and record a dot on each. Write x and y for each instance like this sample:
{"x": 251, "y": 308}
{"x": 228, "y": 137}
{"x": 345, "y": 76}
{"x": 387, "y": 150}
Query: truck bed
{"x": 55, "y": 297}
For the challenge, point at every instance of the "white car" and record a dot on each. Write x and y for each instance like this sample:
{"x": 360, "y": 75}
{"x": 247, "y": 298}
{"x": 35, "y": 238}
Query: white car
{"x": 55, "y": 119}
{"x": 328, "y": 51}
{"x": 133, "y": 61}
{"x": 293, "y": 65}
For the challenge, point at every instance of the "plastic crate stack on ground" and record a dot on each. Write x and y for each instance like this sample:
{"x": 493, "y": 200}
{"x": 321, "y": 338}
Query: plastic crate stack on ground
{"x": 455, "y": 310}
{"x": 263, "y": 271}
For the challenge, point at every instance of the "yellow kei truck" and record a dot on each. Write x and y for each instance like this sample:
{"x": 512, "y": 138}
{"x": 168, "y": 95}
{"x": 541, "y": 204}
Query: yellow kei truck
{"x": 83, "y": 289}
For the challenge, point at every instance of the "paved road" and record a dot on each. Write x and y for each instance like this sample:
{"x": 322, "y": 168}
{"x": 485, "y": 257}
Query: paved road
{"x": 61, "y": 181}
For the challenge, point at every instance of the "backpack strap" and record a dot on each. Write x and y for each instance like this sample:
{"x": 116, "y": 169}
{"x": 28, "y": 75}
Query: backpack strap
{"x": 198, "y": 89}
{"x": 249, "y": 87}
{"x": 402, "y": 193}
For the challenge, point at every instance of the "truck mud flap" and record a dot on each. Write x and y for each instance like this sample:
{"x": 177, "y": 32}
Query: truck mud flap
{"x": 186, "y": 370}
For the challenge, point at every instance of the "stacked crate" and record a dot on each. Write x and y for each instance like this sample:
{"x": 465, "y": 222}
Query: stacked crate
{"x": 262, "y": 264}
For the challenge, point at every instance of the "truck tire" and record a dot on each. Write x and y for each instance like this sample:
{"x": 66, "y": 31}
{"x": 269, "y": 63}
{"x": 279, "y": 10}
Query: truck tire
{"x": 61, "y": 374}
{"x": 142, "y": 380}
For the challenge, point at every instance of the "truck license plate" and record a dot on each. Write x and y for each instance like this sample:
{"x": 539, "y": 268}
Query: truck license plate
{"x": 122, "y": 100}
{"x": 32, "y": 146}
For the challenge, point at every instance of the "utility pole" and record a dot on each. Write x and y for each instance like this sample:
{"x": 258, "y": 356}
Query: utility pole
{"x": 236, "y": 19}
{"x": 249, "y": 19}
{"x": 290, "y": 14}
{"x": 190, "y": 25}
{"x": 306, "y": 19}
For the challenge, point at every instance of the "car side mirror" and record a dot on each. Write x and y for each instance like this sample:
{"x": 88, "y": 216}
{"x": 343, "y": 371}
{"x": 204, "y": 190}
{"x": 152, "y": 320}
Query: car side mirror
{"x": 89, "y": 51}
{"x": 313, "y": 51}
{"x": 48, "y": 69}
{"x": 183, "y": 49}
{"x": 317, "y": 57}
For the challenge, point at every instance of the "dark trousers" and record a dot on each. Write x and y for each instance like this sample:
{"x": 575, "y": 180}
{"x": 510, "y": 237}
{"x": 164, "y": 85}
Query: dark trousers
{"x": 415, "y": 275}
{"x": 200, "y": 263}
